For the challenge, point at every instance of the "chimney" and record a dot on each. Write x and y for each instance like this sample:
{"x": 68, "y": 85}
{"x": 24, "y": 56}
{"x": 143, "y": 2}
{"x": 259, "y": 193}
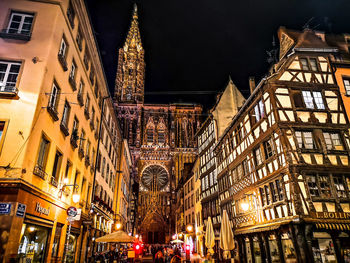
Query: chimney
{"x": 251, "y": 84}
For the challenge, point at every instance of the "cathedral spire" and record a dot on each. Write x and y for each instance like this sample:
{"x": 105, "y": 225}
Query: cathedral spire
{"x": 130, "y": 77}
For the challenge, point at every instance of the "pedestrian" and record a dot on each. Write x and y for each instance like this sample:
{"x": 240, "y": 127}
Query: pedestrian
{"x": 159, "y": 257}
{"x": 195, "y": 258}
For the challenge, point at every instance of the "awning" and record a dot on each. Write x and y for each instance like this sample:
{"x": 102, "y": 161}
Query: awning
{"x": 333, "y": 226}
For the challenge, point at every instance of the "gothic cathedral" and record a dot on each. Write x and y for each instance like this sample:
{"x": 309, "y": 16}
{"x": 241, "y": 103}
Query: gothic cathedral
{"x": 161, "y": 140}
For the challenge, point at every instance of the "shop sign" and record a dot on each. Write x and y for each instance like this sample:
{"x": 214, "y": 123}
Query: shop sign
{"x": 21, "y": 209}
{"x": 77, "y": 216}
{"x": 42, "y": 210}
{"x": 333, "y": 215}
{"x": 5, "y": 208}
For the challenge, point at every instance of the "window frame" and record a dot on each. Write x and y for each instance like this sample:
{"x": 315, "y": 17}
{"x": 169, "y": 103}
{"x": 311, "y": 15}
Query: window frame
{"x": 346, "y": 87}
{"x": 21, "y": 23}
{"x": 4, "y": 84}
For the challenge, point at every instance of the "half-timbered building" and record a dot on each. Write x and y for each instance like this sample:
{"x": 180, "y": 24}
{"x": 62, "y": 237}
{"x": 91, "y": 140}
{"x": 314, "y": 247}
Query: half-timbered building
{"x": 283, "y": 162}
{"x": 228, "y": 103}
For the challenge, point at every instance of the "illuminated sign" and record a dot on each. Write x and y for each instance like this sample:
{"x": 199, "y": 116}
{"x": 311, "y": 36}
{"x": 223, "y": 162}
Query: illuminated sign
{"x": 42, "y": 210}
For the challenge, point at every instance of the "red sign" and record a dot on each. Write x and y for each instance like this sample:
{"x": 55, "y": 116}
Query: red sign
{"x": 72, "y": 211}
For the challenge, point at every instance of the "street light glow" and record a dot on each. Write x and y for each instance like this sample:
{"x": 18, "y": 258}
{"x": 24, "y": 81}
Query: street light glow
{"x": 76, "y": 198}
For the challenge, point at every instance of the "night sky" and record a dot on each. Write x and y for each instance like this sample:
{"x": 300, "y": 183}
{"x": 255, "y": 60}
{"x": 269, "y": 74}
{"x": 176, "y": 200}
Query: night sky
{"x": 194, "y": 45}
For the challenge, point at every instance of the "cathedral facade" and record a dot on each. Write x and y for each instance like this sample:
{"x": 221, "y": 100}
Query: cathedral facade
{"x": 161, "y": 138}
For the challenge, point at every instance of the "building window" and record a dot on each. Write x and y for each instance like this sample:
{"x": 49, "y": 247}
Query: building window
{"x": 313, "y": 64}
{"x": 86, "y": 58}
{"x": 313, "y": 100}
{"x": 333, "y": 141}
{"x": 279, "y": 190}
{"x": 62, "y": 53}
{"x": 65, "y": 117}
{"x": 346, "y": 81}
{"x": 79, "y": 39}
{"x": 8, "y": 75}
{"x": 20, "y": 23}
{"x": 311, "y": 182}
{"x": 71, "y": 14}
{"x": 81, "y": 140}
{"x": 63, "y": 48}
{"x": 161, "y": 137}
{"x": 268, "y": 148}
{"x": 258, "y": 156}
{"x": 92, "y": 76}
{"x": 310, "y": 64}
{"x": 56, "y": 168}
{"x": 150, "y": 136}
{"x": 53, "y": 101}
{"x": 324, "y": 185}
{"x": 304, "y": 64}
{"x": 43, "y": 153}
{"x": 73, "y": 70}
{"x": 305, "y": 139}
{"x": 339, "y": 186}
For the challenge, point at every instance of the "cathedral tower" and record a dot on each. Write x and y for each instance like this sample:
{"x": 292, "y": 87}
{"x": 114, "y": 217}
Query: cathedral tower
{"x": 130, "y": 78}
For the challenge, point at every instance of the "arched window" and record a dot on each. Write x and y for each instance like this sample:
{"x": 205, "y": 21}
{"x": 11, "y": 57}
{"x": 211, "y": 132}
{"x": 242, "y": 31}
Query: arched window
{"x": 161, "y": 133}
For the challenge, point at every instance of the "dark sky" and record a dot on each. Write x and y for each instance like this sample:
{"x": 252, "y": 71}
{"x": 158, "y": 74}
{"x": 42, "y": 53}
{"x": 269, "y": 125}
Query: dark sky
{"x": 194, "y": 45}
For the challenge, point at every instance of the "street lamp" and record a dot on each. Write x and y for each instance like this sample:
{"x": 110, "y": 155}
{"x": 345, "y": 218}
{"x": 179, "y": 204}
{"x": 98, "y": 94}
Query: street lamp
{"x": 118, "y": 226}
{"x": 76, "y": 196}
{"x": 189, "y": 228}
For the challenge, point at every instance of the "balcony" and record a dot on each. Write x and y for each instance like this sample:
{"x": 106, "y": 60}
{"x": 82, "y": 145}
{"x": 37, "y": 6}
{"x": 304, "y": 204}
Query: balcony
{"x": 72, "y": 83}
{"x": 80, "y": 99}
{"x": 81, "y": 152}
{"x": 53, "y": 181}
{"x": 9, "y": 91}
{"x": 86, "y": 113}
{"x": 53, "y": 112}
{"x": 13, "y": 34}
{"x": 62, "y": 60}
{"x": 39, "y": 171}
{"x": 92, "y": 125}
{"x": 64, "y": 128}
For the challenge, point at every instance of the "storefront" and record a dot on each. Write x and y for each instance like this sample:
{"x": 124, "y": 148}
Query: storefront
{"x": 35, "y": 226}
{"x": 326, "y": 242}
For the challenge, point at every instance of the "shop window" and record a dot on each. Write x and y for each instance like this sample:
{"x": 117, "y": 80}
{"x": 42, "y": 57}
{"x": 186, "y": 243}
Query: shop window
{"x": 33, "y": 243}
{"x": 69, "y": 252}
{"x": 305, "y": 139}
{"x": 323, "y": 247}
{"x": 273, "y": 249}
{"x": 56, "y": 241}
{"x": 257, "y": 251}
{"x": 288, "y": 248}
{"x": 248, "y": 250}
{"x": 333, "y": 141}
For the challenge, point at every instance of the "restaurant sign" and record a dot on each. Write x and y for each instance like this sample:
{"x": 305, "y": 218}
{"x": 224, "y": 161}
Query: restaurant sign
{"x": 42, "y": 210}
{"x": 332, "y": 215}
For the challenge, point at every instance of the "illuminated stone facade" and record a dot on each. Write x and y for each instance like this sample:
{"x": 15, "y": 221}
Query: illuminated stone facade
{"x": 161, "y": 139}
